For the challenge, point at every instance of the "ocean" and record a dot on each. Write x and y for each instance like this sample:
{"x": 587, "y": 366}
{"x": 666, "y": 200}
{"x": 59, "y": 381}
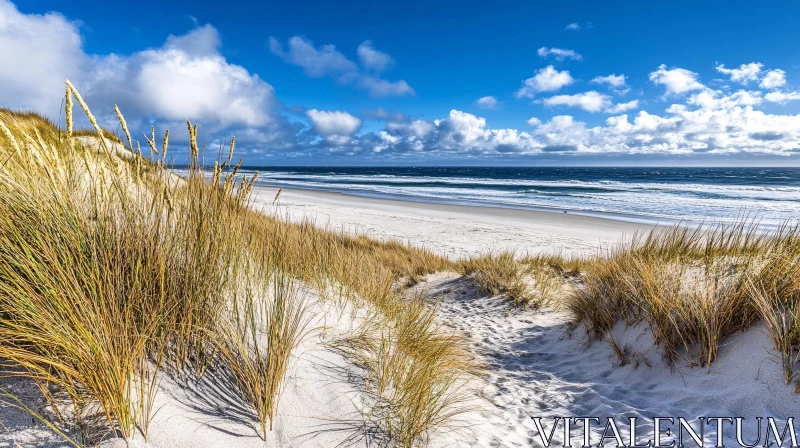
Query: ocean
{"x": 651, "y": 195}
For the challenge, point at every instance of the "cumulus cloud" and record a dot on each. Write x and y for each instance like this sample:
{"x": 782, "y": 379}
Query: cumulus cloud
{"x": 744, "y": 74}
{"x": 547, "y": 79}
{"x": 676, "y": 80}
{"x": 372, "y": 59}
{"x": 40, "y": 51}
{"x": 612, "y": 80}
{"x": 716, "y": 99}
{"x": 488, "y": 102}
{"x": 333, "y": 123}
{"x": 622, "y": 107}
{"x": 379, "y": 88}
{"x": 186, "y": 77}
{"x": 573, "y": 26}
{"x": 782, "y": 97}
{"x": 773, "y": 79}
{"x": 458, "y": 133}
{"x": 591, "y": 101}
{"x": 327, "y": 61}
{"x": 559, "y": 53}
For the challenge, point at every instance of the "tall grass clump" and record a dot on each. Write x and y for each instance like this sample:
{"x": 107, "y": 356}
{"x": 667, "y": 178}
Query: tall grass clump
{"x": 258, "y": 341}
{"x": 693, "y": 286}
{"x": 775, "y": 291}
{"x": 528, "y": 281}
{"x": 418, "y": 374}
{"x": 113, "y": 268}
{"x": 108, "y": 271}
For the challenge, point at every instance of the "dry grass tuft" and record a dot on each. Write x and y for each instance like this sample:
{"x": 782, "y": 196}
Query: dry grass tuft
{"x": 693, "y": 286}
{"x": 532, "y": 282}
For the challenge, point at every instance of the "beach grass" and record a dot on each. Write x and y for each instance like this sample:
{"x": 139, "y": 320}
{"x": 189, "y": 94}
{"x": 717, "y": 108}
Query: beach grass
{"x": 113, "y": 268}
{"x": 693, "y": 286}
{"x": 528, "y": 281}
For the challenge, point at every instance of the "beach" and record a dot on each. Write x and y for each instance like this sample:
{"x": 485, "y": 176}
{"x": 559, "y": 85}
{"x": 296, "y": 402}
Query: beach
{"x": 541, "y": 366}
{"x": 454, "y": 231}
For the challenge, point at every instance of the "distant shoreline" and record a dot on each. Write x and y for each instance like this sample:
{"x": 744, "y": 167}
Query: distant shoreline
{"x": 622, "y": 217}
{"x": 452, "y": 230}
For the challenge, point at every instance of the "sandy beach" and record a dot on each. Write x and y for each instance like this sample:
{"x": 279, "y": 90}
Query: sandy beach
{"x": 454, "y": 231}
{"x": 539, "y": 367}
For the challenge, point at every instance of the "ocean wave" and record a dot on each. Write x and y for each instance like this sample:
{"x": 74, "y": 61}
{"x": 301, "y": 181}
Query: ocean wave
{"x": 733, "y": 190}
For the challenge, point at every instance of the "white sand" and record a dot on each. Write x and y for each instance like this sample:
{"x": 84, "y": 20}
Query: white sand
{"x": 451, "y": 230}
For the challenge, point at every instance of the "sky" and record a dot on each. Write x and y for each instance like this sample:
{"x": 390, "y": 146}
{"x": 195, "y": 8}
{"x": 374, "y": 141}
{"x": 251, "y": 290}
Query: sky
{"x": 425, "y": 83}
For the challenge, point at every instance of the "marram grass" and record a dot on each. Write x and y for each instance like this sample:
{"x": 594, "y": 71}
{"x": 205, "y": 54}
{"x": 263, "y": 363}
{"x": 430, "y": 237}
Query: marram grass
{"x": 113, "y": 268}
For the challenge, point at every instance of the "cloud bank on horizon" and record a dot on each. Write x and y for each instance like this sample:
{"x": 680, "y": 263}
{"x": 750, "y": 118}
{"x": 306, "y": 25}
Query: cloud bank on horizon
{"x": 188, "y": 76}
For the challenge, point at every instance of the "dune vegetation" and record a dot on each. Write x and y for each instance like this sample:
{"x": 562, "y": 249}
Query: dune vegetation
{"x": 692, "y": 286}
{"x": 113, "y": 269}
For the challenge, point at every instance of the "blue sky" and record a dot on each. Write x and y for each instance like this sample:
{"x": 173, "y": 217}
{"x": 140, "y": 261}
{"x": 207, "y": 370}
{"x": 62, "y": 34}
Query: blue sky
{"x": 387, "y": 83}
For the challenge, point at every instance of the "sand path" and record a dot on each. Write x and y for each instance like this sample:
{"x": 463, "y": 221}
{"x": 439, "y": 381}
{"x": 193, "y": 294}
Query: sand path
{"x": 538, "y": 369}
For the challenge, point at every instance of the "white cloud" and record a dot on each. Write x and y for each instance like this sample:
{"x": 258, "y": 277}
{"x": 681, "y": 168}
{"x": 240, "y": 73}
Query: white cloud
{"x": 573, "y": 26}
{"x": 547, "y": 79}
{"x": 676, "y": 80}
{"x": 782, "y": 97}
{"x": 622, "y": 107}
{"x": 562, "y": 134}
{"x": 710, "y": 122}
{"x": 612, "y": 80}
{"x": 589, "y": 101}
{"x": 773, "y": 79}
{"x": 187, "y": 77}
{"x": 462, "y": 131}
{"x": 488, "y": 102}
{"x": 459, "y": 132}
{"x": 559, "y": 53}
{"x": 382, "y": 88}
{"x": 716, "y": 99}
{"x": 372, "y": 59}
{"x": 325, "y": 61}
{"x": 40, "y": 51}
{"x": 333, "y": 123}
{"x": 744, "y": 74}
{"x": 412, "y": 128}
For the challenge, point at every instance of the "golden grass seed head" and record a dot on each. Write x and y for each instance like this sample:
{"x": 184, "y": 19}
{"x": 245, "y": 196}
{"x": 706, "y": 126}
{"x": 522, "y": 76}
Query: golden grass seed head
{"x": 68, "y": 112}
{"x": 164, "y": 146}
{"x": 124, "y": 127}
